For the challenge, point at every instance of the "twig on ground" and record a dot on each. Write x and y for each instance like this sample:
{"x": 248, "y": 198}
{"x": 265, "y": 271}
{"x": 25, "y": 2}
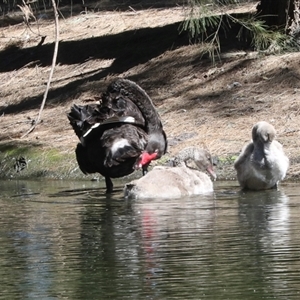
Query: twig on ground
{"x": 37, "y": 121}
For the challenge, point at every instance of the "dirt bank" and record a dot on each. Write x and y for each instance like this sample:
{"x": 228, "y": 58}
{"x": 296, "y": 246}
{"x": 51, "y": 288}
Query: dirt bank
{"x": 214, "y": 106}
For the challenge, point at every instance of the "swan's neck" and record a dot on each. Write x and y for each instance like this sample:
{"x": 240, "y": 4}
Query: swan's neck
{"x": 129, "y": 90}
{"x": 137, "y": 95}
{"x": 261, "y": 155}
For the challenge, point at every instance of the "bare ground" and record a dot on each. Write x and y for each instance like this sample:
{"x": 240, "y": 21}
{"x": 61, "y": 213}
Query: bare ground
{"x": 212, "y": 106}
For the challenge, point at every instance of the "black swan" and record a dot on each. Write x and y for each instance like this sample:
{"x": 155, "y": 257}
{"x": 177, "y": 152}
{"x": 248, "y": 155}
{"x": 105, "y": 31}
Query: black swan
{"x": 178, "y": 181}
{"x": 262, "y": 162}
{"x": 122, "y": 133}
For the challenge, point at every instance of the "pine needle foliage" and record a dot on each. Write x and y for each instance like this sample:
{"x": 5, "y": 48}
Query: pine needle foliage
{"x": 203, "y": 26}
{"x": 264, "y": 38}
{"x": 205, "y": 20}
{"x": 199, "y": 21}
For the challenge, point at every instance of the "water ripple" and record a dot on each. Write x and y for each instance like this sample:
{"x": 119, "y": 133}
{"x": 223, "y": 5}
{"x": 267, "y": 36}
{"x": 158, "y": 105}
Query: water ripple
{"x": 70, "y": 240}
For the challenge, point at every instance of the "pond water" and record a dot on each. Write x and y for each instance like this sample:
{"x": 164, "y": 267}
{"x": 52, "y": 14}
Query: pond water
{"x": 67, "y": 240}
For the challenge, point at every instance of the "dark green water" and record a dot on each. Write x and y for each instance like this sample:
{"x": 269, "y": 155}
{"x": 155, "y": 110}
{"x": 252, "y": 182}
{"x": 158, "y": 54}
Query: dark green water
{"x": 67, "y": 240}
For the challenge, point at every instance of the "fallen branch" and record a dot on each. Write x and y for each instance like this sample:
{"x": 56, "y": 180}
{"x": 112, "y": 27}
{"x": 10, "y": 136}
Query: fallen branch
{"x": 37, "y": 121}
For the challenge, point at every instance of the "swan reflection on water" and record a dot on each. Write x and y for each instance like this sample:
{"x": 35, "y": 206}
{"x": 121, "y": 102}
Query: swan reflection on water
{"x": 79, "y": 241}
{"x": 268, "y": 212}
{"x": 266, "y": 216}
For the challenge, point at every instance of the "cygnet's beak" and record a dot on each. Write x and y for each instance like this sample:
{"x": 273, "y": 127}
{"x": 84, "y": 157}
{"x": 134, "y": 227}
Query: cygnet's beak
{"x": 212, "y": 173}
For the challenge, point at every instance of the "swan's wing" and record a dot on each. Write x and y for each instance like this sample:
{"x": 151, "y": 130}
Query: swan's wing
{"x": 121, "y": 102}
{"x": 78, "y": 117}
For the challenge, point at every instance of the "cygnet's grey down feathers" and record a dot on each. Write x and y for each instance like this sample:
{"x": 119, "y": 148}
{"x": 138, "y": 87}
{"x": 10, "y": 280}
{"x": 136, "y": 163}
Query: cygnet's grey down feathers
{"x": 262, "y": 162}
{"x": 169, "y": 182}
{"x": 175, "y": 182}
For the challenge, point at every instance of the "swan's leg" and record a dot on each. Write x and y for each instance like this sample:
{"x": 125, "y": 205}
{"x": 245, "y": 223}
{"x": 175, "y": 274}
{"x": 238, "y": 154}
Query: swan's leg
{"x": 145, "y": 170}
{"x": 109, "y": 185}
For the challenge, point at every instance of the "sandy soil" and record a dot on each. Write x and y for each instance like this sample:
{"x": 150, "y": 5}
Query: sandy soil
{"x": 212, "y": 106}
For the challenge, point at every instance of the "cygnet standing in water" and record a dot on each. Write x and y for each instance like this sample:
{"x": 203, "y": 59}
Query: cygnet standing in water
{"x": 262, "y": 163}
{"x": 177, "y": 181}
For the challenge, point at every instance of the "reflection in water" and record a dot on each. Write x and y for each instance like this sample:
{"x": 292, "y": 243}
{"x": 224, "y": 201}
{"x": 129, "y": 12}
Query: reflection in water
{"x": 267, "y": 217}
{"x": 174, "y": 243}
{"x": 69, "y": 240}
{"x": 35, "y": 240}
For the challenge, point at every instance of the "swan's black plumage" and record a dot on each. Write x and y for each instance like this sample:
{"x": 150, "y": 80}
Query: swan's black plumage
{"x": 111, "y": 143}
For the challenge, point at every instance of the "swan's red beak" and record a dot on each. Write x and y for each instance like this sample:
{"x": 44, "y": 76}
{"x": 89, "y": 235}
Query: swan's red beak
{"x": 145, "y": 159}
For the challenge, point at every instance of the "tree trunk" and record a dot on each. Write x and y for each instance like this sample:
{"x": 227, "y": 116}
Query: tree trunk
{"x": 293, "y": 24}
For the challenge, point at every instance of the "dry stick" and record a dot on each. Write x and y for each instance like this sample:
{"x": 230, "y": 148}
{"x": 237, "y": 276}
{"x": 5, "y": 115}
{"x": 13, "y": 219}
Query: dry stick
{"x": 51, "y": 71}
